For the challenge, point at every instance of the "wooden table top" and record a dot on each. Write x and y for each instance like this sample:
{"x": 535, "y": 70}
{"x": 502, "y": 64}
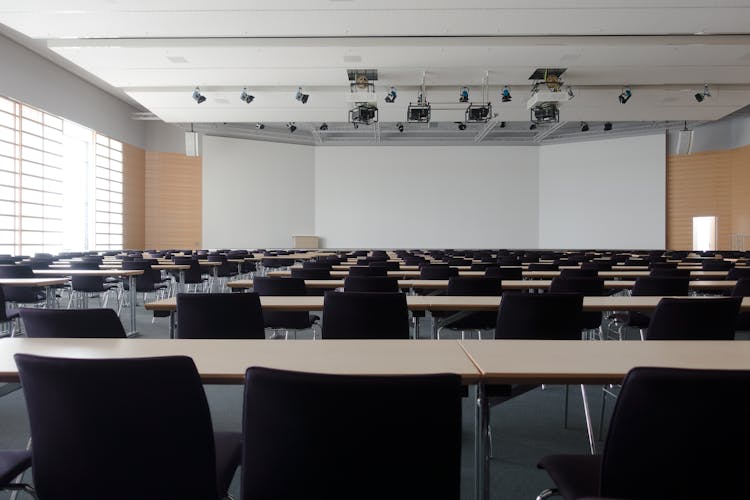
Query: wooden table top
{"x": 221, "y": 361}
{"x": 447, "y": 303}
{"x": 88, "y": 272}
{"x": 596, "y": 362}
{"x": 33, "y": 281}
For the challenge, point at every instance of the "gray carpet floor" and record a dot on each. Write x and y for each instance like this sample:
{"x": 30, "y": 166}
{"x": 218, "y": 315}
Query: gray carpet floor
{"x": 523, "y": 429}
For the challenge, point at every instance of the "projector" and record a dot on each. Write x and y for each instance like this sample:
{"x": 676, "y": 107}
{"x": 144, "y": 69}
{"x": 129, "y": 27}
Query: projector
{"x": 478, "y": 113}
{"x": 544, "y": 105}
{"x": 363, "y": 114}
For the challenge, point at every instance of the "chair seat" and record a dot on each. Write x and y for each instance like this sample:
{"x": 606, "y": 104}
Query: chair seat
{"x": 11, "y": 312}
{"x": 576, "y": 476}
{"x": 228, "y": 454}
{"x": 12, "y": 463}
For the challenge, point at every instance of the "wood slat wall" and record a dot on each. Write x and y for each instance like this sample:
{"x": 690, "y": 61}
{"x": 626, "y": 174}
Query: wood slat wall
{"x": 134, "y": 197}
{"x": 173, "y": 201}
{"x": 713, "y": 183}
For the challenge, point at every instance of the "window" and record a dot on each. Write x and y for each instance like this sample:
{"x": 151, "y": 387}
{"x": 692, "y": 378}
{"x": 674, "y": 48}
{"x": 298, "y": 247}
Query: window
{"x": 60, "y": 184}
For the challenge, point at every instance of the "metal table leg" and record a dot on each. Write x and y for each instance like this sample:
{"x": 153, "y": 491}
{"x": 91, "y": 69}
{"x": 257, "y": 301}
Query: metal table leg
{"x": 171, "y": 324}
{"x": 481, "y": 445}
{"x": 181, "y": 281}
{"x": 133, "y": 301}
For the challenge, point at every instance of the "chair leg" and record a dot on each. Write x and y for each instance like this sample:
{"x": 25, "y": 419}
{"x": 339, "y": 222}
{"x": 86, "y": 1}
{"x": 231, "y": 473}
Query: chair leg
{"x": 589, "y": 426}
{"x": 551, "y": 492}
{"x": 601, "y": 417}
{"x": 567, "y": 398}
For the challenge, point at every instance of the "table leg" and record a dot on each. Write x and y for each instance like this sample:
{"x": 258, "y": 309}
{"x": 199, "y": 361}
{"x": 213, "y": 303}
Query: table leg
{"x": 181, "y": 281}
{"x": 133, "y": 300}
{"x": 171, "y": 324}
{"x": 481, "y": 445}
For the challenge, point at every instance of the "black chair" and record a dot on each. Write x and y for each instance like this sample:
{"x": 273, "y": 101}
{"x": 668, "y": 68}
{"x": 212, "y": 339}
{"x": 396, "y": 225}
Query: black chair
{"x": 694, "y": 319}
{"x": 311, "y": 273}
{"x": 313, "y": 264}
{"x": 339, "y": 433}
{"x": 13, "y": 463}
{"x": 738, "y": 273}
{"x": 649, "y": 286}
{"x": 536, "y": 266}
{"x": 8, "y": 317}
{"x": 144, "y": 283}
{"x": 590, "y": 321}
{"x": 504, "y": 273}
{"x": 124, "y": 428}
{"x": 742, "y": 289}
{"x": 716, "y": 265}
{"x": 579, "y": 273}
{"x": 368, "y": 271}
{"x": 362, "y": 315}
{"x": 72, "y": 323}
{"x": 437, "y": 272}
{"x": 285, "y": 321}
{"x": 219, "y": 316}
{"x": 674, "y": 433}
{"x": 371, "y": 284}
{"x": 194, "y": 275}
{"x": 666, "y": 272}
{"x": 597, "y": 265}
{"x": 470, "y": 321}
{"x": 547, "y": 316}
{"x": 21, "y": 294}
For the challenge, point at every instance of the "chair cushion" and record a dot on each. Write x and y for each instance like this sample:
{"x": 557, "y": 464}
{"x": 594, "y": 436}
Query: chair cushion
{"x": 228, "y": 454}
{"x": 12, "y": 463}
{"x": 575, "y": 476}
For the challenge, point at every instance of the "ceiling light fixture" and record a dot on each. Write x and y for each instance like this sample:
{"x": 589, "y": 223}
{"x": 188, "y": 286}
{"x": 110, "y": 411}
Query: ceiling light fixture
{"x": 245, "y": 97}
{"x": 702, "y": 95}
{"x": 463, "y": 94}
{"x": 461, "y": 125}
{"x": 625, "y": 95}
{"x": 197, "y": 96}
{"x": 260, "y": 126}
{"x": 323, "y": 127}
{"x": 292, "y": 127}
{"x": 505, "y": 94}
{"x": 532, "y": 126}
{"x": 301, "y": 97}
{"x": 584, "y": 127}
{"x": 607, "y": 126}
{"x": 400, "y": 127}
{"x": 392, "y": 95}
{"x": 502, "y": 124}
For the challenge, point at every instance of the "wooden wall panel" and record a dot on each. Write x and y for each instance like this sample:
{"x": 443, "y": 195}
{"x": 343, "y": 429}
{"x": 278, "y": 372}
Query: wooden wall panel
{"x": 173, "y": 201}
{"x": 134, "y": 197}
{"x": 709, "y": 183}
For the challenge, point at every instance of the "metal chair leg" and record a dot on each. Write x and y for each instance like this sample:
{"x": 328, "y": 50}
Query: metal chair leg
{"x": 589, "y": 426}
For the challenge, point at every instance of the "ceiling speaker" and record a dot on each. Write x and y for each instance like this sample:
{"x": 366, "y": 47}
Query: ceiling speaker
{"x": 684, "y": 142}
{"x": 192, "y": 144}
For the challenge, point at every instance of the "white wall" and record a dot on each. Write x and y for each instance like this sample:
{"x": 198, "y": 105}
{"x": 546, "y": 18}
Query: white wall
{"x": 31, "y": 79}
{"x": 438, "y": 197}
{"x": 603, "y": 194}
{"x": 256, "y": 194}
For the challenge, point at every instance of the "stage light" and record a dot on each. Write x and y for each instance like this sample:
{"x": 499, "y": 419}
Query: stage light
{"x": 532, "y": 126}
{"x": 461, "y": 125}
{"x": 323, "y": 127}
{"x": 197, "y": 96}
{"x": 400, "y": 127}
{"x": 502, "y": 124}
{"x": 291, "y": 126}
{"x": 245, "y": 97}
{"x": 702, "y": 95}
{"x": 463, "y": 94}
{"x": 260, "y": 126}
{"x": 505, "y": 94}
{"x": 301, "y": 97}
{"x": 571, "y": 94}
{"x": 625, "y": 95}
{"x": 584, "y": 127}
{"x": 607, "y": 126}
{"x": 392, "y": 95}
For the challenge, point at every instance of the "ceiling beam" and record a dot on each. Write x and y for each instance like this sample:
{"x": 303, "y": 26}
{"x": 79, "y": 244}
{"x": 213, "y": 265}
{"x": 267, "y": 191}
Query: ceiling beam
{"x": 543, "y": 134}
{"x": 486, "y": 130}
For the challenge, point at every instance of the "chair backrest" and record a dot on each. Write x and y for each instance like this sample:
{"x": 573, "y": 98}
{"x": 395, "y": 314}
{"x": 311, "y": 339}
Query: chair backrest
{"x": 72, "y": 323}
{"x": 436, "y": 272}
{"x": 133, "y": 428}
{"x": 16, "y": 271}
{"x": 662, "y": 265}
{"x": 311, "y": 273}
{"x": 579, "y": 273}
{"x": 661, "y": 285}
{"x": 465, "y": 285}
{"x": 504, "y": 273}
{"x": 677, "y": 433}
{"x": 584, "y": 285}
{"x": 338, "y": 445}
{"x": 551, "y": 316}
{"x": 597, "y": 264}
{"x": 741, "y": 288}
{"x": 737, "y": 273}
{"x": 313, "y": 264}
{"x": 84, "y": 264}
{"x": 670, "y": 272}
{"x": 711, "y": 318}
{"x": 364, "y": 315}
{"x": 716, "y": 265}
{"x": 536, "y": 266}
{"x": 219, "y": 316}
{"x": 371, "y": 284}
{"x": 367, "y": 271}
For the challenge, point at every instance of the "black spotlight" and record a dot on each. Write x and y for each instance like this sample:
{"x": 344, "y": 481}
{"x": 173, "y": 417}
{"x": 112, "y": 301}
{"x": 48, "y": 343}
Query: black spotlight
{"x": 400, "y": 127}
{"x": 260, "y": 126}
{"x": 292, "y": 127}
{"x": 505, "y": 94}
{"x": 197, "y": 96}
{"x": 502, "y": 124}
{"x": 301, "y": 97}
{"x": 323, "y": 126}
{"x": 392, "y": 95}
{"x": 625, "y": 95}
{"x": 532, "y": 126}
{"x": 699, "y": 97}
{"x": 584, "y": 127}
{"x": 607, "y": 126}
{"x": 461, "y": 126}
{"x": 702, "y": 95}
{"x": 245, "y": 97}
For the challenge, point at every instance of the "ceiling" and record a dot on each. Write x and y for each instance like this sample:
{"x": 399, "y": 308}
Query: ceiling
{"x": 156, "y": 53}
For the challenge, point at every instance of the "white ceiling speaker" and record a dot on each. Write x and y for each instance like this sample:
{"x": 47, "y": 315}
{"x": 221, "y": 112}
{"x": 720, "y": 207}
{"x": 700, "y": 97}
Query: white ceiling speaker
{"x": 684, "y": 142}
{"x": 192, "y": 143}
